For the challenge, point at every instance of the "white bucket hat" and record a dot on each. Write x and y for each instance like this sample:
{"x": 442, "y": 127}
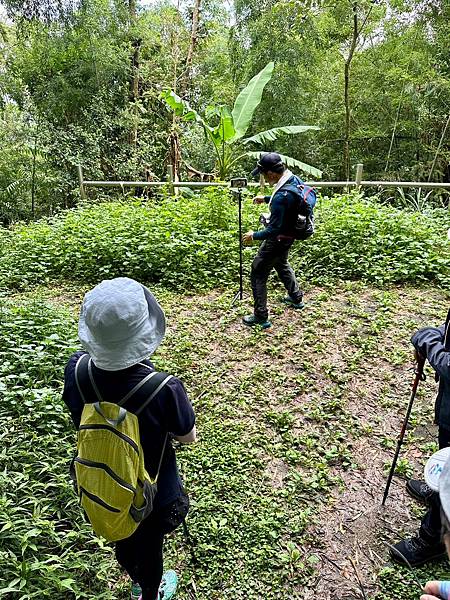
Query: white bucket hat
{"x": 437, "y": 476}
{"x": 434, "y": 468}
{"x": 444, "y": 489}
{"x": 121, "y": 323}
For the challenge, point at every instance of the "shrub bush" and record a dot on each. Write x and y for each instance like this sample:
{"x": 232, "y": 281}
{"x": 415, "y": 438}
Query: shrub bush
{"x": 47, "y": 549}
{"x": 192, "y": 243}
{"x": 359, "y": 239}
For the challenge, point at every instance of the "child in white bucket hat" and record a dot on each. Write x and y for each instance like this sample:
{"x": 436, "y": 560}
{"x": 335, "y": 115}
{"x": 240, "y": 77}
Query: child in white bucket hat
{"x": 121, "y": 324}
{"x": 437, "y": 477}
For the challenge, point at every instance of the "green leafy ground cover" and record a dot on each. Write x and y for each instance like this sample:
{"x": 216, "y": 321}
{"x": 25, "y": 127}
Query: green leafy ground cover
{"x": 192, "y": 243}
{"x": 296, "y": 426}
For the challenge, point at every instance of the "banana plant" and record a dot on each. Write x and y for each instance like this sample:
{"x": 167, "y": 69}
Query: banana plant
{"x": 227, "y": 136}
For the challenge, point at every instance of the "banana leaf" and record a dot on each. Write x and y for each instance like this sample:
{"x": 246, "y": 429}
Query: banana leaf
{"x": 273, "y": 134}
{"x": 182, "y": 109}
{"x": 292, "y": 162}
{"x": 225, "y": 129}
{"x": 249, "y": 99}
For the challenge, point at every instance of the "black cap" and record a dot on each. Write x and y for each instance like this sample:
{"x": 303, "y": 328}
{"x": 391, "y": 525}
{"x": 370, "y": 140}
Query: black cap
{"x": 270, "y": 161}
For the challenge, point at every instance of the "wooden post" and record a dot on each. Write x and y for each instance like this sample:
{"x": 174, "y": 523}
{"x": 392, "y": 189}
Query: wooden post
{"x": 359, "y": 173}
{"x": 81, "y": 180}
{"x": 170, "y": 179}
{"x": 262, "y": 183}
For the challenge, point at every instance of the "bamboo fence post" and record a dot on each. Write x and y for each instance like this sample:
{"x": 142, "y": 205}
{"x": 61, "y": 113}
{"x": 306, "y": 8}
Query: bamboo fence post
{"x": 170, "y": 179}
{"x": 262, "y": 183}
{"x": 81, "y": 180}
{"x": 359, "y": 174}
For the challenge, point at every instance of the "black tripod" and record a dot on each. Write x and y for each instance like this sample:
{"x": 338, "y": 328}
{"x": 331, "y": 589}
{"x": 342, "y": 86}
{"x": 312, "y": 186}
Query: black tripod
{"x": 236, "y": 189}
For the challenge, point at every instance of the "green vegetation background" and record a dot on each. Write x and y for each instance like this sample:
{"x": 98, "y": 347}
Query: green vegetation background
{"x": 80, "y": 83}
{"x": 253, "y": 536}
{"x": 193, "y": 244}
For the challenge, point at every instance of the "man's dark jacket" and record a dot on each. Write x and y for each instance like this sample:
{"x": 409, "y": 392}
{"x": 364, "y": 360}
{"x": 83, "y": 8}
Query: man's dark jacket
{"x": 434, "y": 344}
{"x": 283, "y": 212}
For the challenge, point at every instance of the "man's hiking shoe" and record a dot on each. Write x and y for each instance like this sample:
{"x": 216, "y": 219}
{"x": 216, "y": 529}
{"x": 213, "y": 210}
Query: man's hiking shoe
{"x": 419, "y": 490}
{"x": 136, "y": 591}
{"x": 292, "y": 303}
{"x": 251, "y": 321}
{"x": 168, "y": 585}
{"x": 417, "y": 551}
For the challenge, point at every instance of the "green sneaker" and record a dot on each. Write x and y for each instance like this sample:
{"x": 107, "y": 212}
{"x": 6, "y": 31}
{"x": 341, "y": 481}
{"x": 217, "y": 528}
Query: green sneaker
{"x": 136, "y": 591}
{"x": 168, "y": 585}
{"x": 251, "y": 321}
{"x": 288, "y": 300}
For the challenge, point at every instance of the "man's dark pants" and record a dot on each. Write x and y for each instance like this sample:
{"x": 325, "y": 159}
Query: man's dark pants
{"x": 272, "y": 254}
{"x": 430, "y": 528}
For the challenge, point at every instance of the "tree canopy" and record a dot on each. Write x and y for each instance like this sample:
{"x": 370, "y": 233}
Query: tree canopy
{"x": 81, "y": 83}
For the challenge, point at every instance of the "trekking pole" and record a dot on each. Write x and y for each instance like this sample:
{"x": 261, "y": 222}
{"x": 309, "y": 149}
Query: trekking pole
{"x": 419, "y": 377}
{"x": 190, "y": 542}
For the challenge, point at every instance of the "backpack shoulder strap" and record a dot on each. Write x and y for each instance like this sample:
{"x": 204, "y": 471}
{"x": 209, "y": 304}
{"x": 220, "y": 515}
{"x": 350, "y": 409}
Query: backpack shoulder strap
{"x": 81, "y": 372}
{"x": 447, "y": 334}
{"x": 154, "y": 386}
{"x": 154, "y": 383}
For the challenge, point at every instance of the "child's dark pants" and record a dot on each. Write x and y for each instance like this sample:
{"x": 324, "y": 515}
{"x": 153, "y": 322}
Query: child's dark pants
{"x": 141, "y": 555}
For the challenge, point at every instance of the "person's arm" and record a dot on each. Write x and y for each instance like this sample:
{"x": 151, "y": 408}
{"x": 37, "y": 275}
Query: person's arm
{"x": 276, "y": 219}
{"x": 429, "y": 343}
{"x": 178, "y": 412}
{"x": 436, "y": 590}
{"x": 261, "y": 199}
{"x": 189, "y": 438}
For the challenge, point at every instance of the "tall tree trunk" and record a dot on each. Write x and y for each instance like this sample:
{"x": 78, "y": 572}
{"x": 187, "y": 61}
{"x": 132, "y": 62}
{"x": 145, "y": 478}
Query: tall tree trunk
{"x": 185, "y": 80}
{"x": 132, "y": 10}
{"x": 355, "y": 36}
{"x": 348, "y": 62}
{"x": 181, "y": 86}
{"x": 33, "y": 173}
{"x": 134, "y": 88}
{"x": 135, "y": 68}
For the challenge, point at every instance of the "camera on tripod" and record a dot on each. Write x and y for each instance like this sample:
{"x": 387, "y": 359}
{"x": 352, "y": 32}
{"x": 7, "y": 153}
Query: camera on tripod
{"x": 238, "y": 183}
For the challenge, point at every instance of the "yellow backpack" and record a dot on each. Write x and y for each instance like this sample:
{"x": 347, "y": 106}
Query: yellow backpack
{"x": 113, "y": 485}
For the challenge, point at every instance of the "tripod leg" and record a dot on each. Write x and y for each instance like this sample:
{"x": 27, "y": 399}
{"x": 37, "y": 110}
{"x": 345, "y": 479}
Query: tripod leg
{"x": 241, "y": 283}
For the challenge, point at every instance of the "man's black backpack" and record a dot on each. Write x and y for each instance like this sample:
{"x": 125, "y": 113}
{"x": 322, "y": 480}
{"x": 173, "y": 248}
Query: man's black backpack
{"x": 304, "y": 226}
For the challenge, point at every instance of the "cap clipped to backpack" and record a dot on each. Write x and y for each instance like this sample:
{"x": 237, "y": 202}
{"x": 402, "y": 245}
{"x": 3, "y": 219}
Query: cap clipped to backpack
{"x": 121, "y": 323}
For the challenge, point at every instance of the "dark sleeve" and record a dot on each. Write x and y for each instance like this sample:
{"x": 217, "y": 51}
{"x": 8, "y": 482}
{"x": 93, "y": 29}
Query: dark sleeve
{"x": 429, "y": 342}
{"x": 267, "y": 199}
{"x": 177, "y": 411}
{"x": 71, "y": 396}
{"x": 277, "y": 211}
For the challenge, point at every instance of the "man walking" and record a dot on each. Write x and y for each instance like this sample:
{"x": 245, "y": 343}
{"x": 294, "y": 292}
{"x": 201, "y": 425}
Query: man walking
{"x": 277, "y": 238}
